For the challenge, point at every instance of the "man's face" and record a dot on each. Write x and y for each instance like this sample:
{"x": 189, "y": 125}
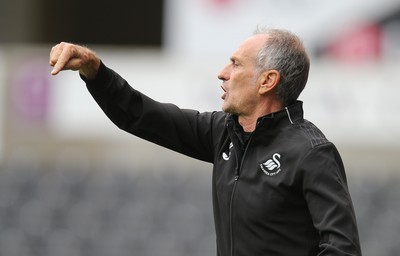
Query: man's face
{"x": 239, "y": 78}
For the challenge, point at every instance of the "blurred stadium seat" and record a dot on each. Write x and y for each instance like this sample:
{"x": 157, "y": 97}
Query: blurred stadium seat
{"x": 71, "y": 212}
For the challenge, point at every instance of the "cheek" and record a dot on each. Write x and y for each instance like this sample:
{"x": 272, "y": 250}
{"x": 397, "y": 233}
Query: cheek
{"x": 241, "y": 83}
{"x": 235, "y": 93}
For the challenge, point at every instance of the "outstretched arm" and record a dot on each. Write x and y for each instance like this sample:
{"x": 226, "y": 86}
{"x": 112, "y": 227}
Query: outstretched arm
{"x": 66, "y": 56}
{"x": 182, "y": 130}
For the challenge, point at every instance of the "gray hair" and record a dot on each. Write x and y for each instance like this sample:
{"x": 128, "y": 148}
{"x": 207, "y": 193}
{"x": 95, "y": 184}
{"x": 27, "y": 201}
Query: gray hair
{"x": 284, "y": 52}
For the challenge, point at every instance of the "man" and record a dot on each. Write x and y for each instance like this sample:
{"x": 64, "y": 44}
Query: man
{"x": 279, "y": 186}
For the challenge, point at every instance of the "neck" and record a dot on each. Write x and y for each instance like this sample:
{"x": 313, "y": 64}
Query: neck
{"x": 249, "y": 122}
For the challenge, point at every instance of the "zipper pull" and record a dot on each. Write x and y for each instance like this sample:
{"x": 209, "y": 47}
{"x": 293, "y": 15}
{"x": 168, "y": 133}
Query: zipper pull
{"x": 236, "y": 177}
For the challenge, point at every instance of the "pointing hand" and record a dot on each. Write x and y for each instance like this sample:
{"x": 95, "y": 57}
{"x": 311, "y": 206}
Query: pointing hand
{"x": 66, "y": 56}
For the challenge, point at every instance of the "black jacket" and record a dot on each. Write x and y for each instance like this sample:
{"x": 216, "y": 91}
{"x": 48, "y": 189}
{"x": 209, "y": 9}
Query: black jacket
{"x": 282, "y": 191}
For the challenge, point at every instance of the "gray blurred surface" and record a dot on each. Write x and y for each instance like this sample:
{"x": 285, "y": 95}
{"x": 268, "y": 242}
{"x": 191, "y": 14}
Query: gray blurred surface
{"x": 122, "y": 211}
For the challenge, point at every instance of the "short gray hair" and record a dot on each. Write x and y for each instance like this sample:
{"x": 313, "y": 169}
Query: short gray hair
{"x": 284, "y": 52}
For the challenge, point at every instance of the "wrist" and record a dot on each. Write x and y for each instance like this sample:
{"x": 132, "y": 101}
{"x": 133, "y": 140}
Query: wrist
{"x": 91, "y": 69}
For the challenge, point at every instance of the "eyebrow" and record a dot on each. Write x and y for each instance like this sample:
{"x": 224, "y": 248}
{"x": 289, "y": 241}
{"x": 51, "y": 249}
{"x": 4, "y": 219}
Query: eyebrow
{"x": 234, "y": 59}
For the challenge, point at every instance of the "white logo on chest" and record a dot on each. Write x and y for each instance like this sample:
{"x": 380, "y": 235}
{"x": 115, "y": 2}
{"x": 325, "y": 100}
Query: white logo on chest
{"x": 272, "y": 166}
{"x": 226, "y": 156}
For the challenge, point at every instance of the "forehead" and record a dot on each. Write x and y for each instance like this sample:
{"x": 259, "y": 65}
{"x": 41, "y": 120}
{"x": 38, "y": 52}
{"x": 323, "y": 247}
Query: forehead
{"x": 250, "y": 47}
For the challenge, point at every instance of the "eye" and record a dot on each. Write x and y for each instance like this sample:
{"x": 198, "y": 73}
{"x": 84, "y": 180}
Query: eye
{"x": 234, "y": 62}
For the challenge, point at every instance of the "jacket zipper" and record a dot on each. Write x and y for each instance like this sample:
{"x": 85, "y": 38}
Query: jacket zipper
{"x": 233, "y": 193}
{"x": 230, "y": 213}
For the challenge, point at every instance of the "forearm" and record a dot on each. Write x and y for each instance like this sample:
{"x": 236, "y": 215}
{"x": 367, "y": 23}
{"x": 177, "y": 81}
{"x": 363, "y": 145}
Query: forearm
{"x": 184, "y": 131}
{"x": 118, "y": 100}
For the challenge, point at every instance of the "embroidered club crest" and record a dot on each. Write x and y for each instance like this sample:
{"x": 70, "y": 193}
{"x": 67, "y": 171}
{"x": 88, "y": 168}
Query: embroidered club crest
{"x": 272, "y": 166}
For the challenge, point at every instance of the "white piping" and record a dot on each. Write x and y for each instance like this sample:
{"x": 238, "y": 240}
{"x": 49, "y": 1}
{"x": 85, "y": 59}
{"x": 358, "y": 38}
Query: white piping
{"x": 287, "y": 111}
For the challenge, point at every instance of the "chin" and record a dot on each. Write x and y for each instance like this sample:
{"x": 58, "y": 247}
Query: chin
{"x": 227, "y": 110}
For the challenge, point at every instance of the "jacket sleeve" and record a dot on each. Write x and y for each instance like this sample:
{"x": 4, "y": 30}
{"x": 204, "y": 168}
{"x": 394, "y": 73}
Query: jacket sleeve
{"x": 328, "y": 199}
{"x": 185, "y": 131}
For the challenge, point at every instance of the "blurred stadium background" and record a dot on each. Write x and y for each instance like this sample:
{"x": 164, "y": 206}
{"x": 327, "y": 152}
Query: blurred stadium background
{"x": 73, "y": 184}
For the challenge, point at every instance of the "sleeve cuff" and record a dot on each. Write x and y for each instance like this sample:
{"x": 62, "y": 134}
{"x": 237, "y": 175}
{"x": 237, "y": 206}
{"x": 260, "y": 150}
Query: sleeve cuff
{"x": 102, "y": 78}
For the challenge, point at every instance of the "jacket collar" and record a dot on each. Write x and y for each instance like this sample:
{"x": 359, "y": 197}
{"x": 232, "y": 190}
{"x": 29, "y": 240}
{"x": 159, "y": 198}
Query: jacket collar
{"x": 288, "y": 115}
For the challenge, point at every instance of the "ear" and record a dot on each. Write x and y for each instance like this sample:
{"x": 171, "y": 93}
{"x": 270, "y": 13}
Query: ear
{"x": 268, "y": 80}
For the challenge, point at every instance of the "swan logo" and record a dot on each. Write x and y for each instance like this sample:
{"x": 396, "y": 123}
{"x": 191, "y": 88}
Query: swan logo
{"x": 272, "y": 166}
{"x": 226, "y": 156}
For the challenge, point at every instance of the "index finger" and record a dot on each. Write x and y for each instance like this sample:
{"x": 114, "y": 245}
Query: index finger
{"x": 59, "y": 59}
{"x": 55, "y": 53}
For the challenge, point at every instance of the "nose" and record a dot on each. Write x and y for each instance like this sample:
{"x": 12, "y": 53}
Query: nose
{"x": 224, "y": 74}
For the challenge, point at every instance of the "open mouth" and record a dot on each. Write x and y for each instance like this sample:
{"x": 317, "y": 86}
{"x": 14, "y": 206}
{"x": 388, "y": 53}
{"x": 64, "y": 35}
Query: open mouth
{"x": 224, "y": 94}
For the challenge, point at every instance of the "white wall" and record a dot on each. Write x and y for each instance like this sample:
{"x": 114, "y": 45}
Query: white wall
{"x": 2, "y": 103}
{"x": 200, "y": 27}
{"x": 352, "y": 104}
{"x": 356, "y": 106}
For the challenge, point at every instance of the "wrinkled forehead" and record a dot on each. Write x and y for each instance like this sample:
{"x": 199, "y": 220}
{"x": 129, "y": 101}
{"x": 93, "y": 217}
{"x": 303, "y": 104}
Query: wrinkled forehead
{"x": 251, "y": 46}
